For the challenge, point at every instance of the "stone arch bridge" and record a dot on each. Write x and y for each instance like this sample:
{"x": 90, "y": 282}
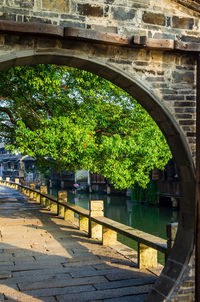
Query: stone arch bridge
{"x": 150, "y": 49}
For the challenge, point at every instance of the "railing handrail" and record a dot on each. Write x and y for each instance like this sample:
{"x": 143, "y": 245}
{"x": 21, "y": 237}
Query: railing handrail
{"x": 152, "y": 241}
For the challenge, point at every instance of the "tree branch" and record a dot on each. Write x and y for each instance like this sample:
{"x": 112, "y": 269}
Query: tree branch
{"x": 9, "y": 113}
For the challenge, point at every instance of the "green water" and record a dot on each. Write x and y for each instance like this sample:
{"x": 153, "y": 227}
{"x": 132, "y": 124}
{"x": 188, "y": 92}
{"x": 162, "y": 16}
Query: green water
{"x": 147, "y": 218}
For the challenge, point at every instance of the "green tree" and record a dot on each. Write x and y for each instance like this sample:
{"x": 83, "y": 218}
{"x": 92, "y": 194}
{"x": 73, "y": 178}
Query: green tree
{"x": 73, "y": 119}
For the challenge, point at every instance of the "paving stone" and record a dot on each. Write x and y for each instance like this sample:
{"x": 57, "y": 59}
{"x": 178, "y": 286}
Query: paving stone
{"x": 32, "y": 266}
{"x": 83, "y": 263}
{"x": 83, "y": 259}
{"x": 6, "y": 263}
{"x": 62, "y": 282}
{"x": 39, "y": 272}
{"x": 111, "y": 265}
{"x": 123, "y": 276}
{"x": 125, "y": 283}
{"x": 59, "y": 291}
{"x": 103, "y": 294}
{"x": 53, "y": 261}
{"x": 5, "y": 257}
{"x": 5, "y": 274}
{"x": 137, "y": 298}
{"x": 112, "y": 274}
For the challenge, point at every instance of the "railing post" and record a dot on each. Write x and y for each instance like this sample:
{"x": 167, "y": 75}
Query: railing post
{"x": 109, "y": 236}
{"x": 17, "y": 180}
{"x": 96, "y": 210}
{"x": 62, "y": 197}
{"x": 83, "y": 223}
{"x": 53, "y": 206}
{"x": 16, "y": 183}
{"x": 69, "y": 215}
{"x": 38, "y": 197}
{"x": 171, "y": 235}
{"x": 147, "y": 257}
{"x": 62, "y": 210}
{"x": 32, "y": 187}
{"x": 43, "y": 190}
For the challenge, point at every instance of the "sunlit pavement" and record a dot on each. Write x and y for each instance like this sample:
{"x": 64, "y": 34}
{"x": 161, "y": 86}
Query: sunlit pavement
{"x": 44, "y": 258}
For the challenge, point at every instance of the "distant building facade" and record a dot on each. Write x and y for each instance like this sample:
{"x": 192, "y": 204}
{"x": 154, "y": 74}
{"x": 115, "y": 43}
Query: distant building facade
{"x": 16, "y": 165}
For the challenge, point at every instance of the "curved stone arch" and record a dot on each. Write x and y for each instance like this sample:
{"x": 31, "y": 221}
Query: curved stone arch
{"x": 177, "y": 263}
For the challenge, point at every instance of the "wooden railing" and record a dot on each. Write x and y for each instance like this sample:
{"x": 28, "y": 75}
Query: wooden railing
{"x": 97, "y": 226}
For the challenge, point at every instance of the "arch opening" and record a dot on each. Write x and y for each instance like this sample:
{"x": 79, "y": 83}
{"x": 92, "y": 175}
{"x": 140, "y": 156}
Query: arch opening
{"x": 184, "y": 243}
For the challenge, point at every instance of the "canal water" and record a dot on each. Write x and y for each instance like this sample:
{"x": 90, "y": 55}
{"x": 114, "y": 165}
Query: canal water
{"x": 148, "y": 218}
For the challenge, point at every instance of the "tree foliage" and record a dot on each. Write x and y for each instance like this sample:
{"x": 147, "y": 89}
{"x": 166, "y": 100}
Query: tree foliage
{"x": 73, "y": 119}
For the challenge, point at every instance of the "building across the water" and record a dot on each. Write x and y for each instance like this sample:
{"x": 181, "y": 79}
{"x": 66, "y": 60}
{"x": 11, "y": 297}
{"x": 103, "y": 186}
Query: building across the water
{"x": 164, "y": 187}
{"x": 16, "y": 165}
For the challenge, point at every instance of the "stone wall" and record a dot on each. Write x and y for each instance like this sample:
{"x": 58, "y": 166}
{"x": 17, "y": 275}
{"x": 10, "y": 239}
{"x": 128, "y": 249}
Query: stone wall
{"x": 170, "y": 76}
{"x": 162, "y": 81}
{"x": 157, "y": 19}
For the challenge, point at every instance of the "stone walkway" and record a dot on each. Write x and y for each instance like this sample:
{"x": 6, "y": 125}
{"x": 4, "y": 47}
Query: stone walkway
{"x": 44, "y": 258}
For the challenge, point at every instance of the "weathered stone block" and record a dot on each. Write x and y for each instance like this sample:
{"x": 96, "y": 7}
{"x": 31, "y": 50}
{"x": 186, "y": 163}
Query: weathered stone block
{"x": 72, "y": 17}
{"x": 38, "y": 197}
{"x": 56, "y": 5}
{"x": 109, "y": 236}
{"x": 96, "y": 230}
{"x": 43, "y": 189}
{"x": 32, "y": 186}
{"x": 187, "y": 122}
{"x": 101, "y": 28}
{"x": 121, "y": 13}
{"x": 191, "y": 134}
{"x": 183, "y": 23}
{"x": 20, "y": 3}
{"x": 62, "y": 196}
{"x": 72, "y": 24}
{"x": 152, "y": 18}
{"x": 191, "y": 110}
{"x": 183, "y": 116}
{"x": 83, "y": 223}
{"x": 190, "y": 97}
{"x": 186, "y": 77}
{"x": 43, "y": 201}
{"x": 54, "y": 206}
{"x": 37, "y": 20}
{"x": 173, "y": 97}
{"x": 48, "y": 204}
{"x": 147, "y": 257}
{"x": 90, "y": 10}
{"x": 96, "y": 205}
{"x": 69, "y": 215}
{"x": 17, "y": 180}
{"x": 184, "y": 104}
{"x": 61, "y": 211}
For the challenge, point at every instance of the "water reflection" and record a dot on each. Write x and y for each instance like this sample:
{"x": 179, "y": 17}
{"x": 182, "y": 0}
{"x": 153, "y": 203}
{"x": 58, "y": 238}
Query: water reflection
{"x": 149, "y": 219}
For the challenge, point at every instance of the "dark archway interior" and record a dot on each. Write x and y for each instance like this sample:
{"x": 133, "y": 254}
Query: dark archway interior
{"x": 184, "y": 242}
